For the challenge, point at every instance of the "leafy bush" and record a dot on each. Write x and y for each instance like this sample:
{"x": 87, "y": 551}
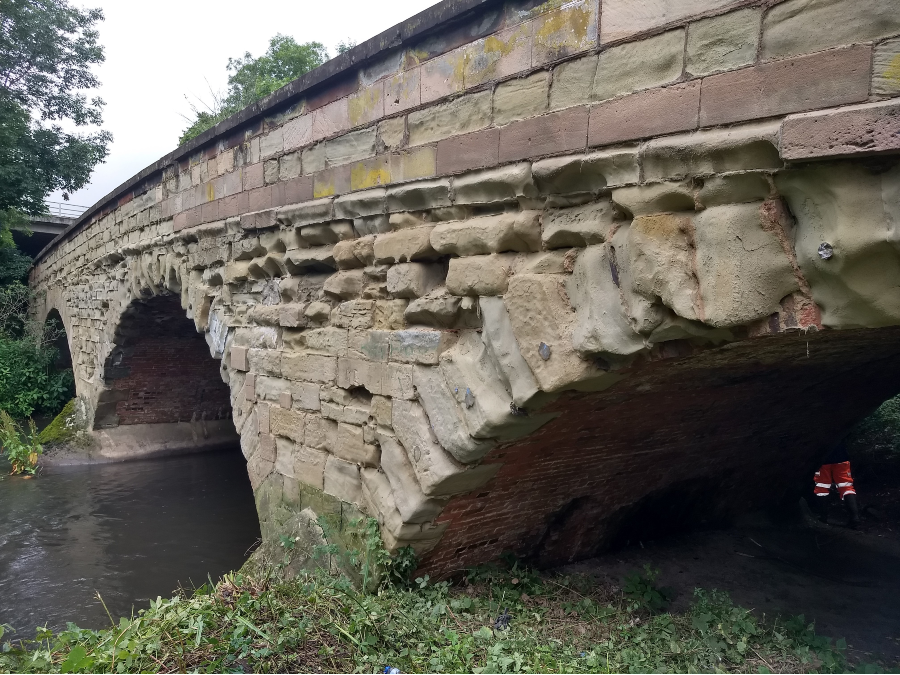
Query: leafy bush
{"x": 21, "y": 448}
{"x": 881, "y": 429}
{"x": 28, "y": 381}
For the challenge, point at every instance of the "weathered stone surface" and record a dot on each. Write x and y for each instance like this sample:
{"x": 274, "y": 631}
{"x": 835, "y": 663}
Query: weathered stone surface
{"x": 854, "y": 130}
{"x": 419, "y": 346}
{"x": 419, "y": 196}
{"x": 480, "y": 275}
{"x": 500, "y": 340}
{"x": 573, "y": 82}
{"x": 412, "y": 503}
{"x": 489, "y": 234}
{"x": 352, "y": 447}
{"x": 508, "y": 183}
{"x": 469, "y": 151}
{"x": 640, "y": 65}
{"x": 568, "y": 30}
{"x": 621, "y": 18}
{"x": 499, "y": 55}
{"x": 539, "y": 313}
{"x": 794, "y": 27}
{"x": 345, "y": 285}
{"x": 341, "y": 480}
{"x": 753, "y": 146}
{"x": 413, "y": 280}
{"x": 465, "y": 114}
{"x": 735, "y": 188}
{"x": 723, "y": 42}
{"x": 577, "y": 225}
{"x": 317, "y": 211}
{"x": 654, "y": 198}
{"x": 886, "y": 68}
{"x": 521, "y": 98}
{"x": 645, "y": 114}
{"x": 309, "y": 367}
{"x": 563, "y": 130}
{"x": 366, "y": 203}
{"x": 287, "y": 423}
{"x": 787, "y": 86}
{"x": 404, "y": 246}
{"x": 589, "y": 172}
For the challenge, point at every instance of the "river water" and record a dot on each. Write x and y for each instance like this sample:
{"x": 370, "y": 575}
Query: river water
{"x": 130, "y": 531}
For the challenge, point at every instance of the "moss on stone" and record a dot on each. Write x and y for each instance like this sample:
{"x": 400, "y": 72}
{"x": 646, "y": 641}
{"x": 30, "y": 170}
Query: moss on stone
{"x": 63, "y": 428}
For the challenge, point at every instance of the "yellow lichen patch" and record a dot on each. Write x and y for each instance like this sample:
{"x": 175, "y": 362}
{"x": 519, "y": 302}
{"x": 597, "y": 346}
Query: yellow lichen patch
{"x": 413, "y": 165}
{"x": 323, "y": 187}
{"x": 892, "y": 72}
{"x": 365, "y": 106}
{"x": 370, "y": 174}
{"x": 497, "y": 55}
{"x": 210, "y": 192}
{"x": 565, "y": 30}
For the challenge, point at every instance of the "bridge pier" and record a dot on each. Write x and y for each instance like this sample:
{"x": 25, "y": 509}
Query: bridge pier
{"x": 498, "y": 320}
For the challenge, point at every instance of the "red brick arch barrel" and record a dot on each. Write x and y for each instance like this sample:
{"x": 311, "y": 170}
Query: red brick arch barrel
{"x": 515, "y": 276}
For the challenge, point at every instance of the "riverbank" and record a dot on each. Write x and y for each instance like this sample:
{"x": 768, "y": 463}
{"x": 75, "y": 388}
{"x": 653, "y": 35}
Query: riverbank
{"x": 490, "y": 620}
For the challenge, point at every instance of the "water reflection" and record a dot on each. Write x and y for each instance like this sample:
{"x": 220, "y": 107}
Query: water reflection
{"x": 131, "y": 531}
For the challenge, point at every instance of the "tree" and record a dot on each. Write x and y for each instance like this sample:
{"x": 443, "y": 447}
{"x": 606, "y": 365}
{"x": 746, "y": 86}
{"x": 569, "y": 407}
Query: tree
{"x": 251, "y": 79}
{"x": 47, "y": 49}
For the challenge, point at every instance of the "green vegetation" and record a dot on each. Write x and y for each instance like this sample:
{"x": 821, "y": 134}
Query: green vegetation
{"x": 46, "y": 51}
{"x": 880, "y": 431}
{"x": 20, "y": 447}
{"x": 251, "y": 79}
{"x": 490, "y": 620}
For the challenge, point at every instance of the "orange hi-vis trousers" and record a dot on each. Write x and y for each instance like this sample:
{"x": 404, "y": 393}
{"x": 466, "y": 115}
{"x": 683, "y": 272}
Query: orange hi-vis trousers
{"x": 839, "y": 474}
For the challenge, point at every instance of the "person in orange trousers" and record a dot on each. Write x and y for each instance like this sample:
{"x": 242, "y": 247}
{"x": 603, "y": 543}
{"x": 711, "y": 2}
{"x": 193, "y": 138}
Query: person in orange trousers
{"x": 835, "y": 470}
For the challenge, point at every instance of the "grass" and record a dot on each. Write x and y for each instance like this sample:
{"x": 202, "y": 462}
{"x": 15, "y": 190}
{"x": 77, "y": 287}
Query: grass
{"x": 320, "y": 622}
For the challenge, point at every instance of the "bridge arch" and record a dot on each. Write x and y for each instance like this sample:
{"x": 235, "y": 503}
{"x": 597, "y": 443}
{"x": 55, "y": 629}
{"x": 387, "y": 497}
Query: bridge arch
{"x": 520, "y": 298}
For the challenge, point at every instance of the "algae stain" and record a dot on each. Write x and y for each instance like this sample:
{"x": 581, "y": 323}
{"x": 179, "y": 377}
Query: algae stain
{"x": 559, "y": 26}
{"x": 360, "y": 107}
{"x": 210, "y": 192}
{"x": 323, "y": 189}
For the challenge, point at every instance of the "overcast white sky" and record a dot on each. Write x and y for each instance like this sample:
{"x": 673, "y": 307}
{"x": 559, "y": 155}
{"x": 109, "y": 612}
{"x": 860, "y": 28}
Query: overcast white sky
{"x": 158, "y": 52}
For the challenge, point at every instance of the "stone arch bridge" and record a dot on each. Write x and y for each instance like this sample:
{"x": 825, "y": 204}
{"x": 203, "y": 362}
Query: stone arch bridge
{"x": 514, "y": 275}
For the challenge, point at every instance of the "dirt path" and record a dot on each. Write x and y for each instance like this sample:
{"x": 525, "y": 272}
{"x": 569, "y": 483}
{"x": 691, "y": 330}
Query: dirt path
{"x": 847, "y": 582}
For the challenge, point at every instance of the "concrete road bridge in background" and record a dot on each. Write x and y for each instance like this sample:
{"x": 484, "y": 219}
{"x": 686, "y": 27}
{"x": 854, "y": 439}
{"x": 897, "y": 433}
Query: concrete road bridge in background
{"x": 514, "y": 276}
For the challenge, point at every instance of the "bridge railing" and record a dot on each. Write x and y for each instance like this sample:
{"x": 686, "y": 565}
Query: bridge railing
{"x": 64, "y": 209}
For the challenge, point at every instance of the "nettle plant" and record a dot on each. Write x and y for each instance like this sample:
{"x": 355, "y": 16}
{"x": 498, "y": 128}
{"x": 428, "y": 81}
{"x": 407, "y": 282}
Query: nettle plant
{"x": 21, "y": 447}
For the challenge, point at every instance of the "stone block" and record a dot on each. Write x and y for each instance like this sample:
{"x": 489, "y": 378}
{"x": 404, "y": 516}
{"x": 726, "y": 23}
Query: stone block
{"x": 500, "y": 340}
{"x": 521, "y": 98}
{"x": 350, "y": 147}
{"x": 499, "y": 55}
{"x": 355, "y": 314}
{"x": 351, "y": 447}
{"x": 539, "y": 314}
{"x": 420, "y": 346}
{"x": 437, "y": 472}
{"x": 723, "y": 42}
{"x": 845, "y": 132}
{"x": 886, "y": 68}
{"x": 402, "y": 91}
{"x": 309, "y": 367}
{"x": 398, "y": 381}
{"x": 436, "y": 310}
{"x": 589, "y": 172}
{"x": 330, "y": 119}
{"x": 577, "y": 225}
{"x": 323, "y": 234}
{"x": 573, "y": 82}
{"x": 287, "y": 423}
{"x": 265, "y": 361}
{"x": 443, "y": 75}
{"x": 621, "y": 19}
{"x": 490, "y": 186}
{"x": 321, "y": 433}
{"x": 640, "y": 65}
{"x": 736, "y": 188}
{"x": 753, "y": 146}
{"x": 370, "y": 173}
{"x": 646, "y": 114}
{"x": 483, "y": 275}
{"x": 381, "y": 410}
{"x": 341, "y": 480}
{"x": 782, "y": 87}
{"x": 414, "y": 164}
{"x": 468, "y": 151}
{"x": 298, "y": 190}
{"x": 313, "y": 159}
{"x": 391, "y": 133}
{"x": 796, "y": 27}
{"x": 271, "y": 143}
{"x": 561, "y": 131}
{"x": 239, "y": 359}
{"x": 305, "y": 260}
{"x": 361, "y": 373}
{"x": 344, "y": 257}
{"x": 328, "y": 340}
{"x": 318, "y": 211}
{"x": 289, "y": 166}
{"x": 489, "y": 234}
{"x": 404, "y": 245}
{"x": 366, "y": 105}
{"x": 365, "y": 203}
{"x": 372, "y": 345}
{"x": 736, "y": 287}
{"x": 461, "y": 116}
{"x": 419, "y": 196}
{"x": 413, "y": 280}
{"x": 270, "y": 171}
{"x": 309, "y": 466}
{"x": 297, "y": 132}
{"x": 364, "y": 249}
{"x": 332, "y": 181}
{"x": 568, "y": 30}
{"x": 345, "y": 285}
{"x": 651, "y": 198}
{"x": 411, "y": 502}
